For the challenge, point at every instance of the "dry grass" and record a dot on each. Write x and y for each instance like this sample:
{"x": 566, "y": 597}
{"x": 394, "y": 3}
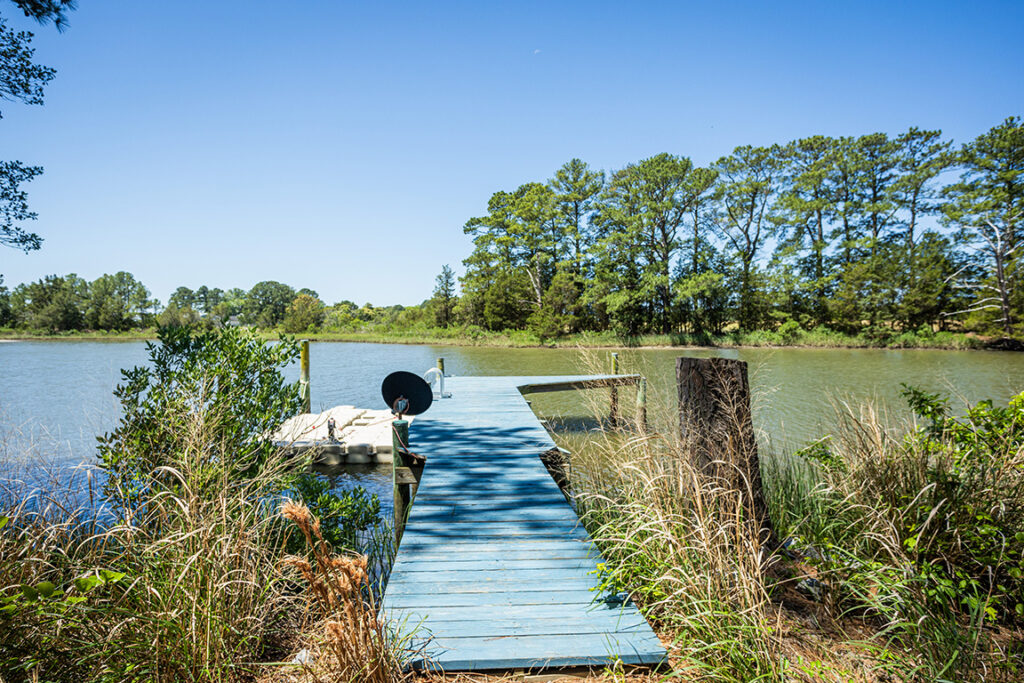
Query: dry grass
{"x": 185, "y": 588}
{"x": 677, "y": 535}
{"x": 356, "y": 646}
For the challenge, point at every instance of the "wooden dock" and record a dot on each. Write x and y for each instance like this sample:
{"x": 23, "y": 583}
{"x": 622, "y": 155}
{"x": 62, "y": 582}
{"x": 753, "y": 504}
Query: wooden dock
{"x": 494, "y": 564}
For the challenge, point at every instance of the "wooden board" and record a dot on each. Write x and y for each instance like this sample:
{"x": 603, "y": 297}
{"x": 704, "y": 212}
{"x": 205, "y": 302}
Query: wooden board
{"x": 495, "y": 571}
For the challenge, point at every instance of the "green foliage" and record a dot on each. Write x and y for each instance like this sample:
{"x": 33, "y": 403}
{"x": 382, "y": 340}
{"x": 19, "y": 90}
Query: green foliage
{"x": 266, "y": 303}
{"x": 52, "y": 303}
{"x": 444, "y": 297}
{"x": 192, "y": 530}
{"x": 116, "y": 302}
{"x": 13, "y": 199}
{"x": 660, "y": 247}
{"x": 922, "y": 535}
{"x": 304, "y": 313}
{"x": 63, "y": 617}
{"x": 342, "y": 517}
{"x": 229, "y": 374}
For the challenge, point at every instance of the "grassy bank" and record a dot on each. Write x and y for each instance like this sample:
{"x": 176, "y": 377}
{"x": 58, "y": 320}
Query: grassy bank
{"x": 474, "y": 336}
{"x": 84, "y": 335}
{"x": 598, "y": 340}
{"x": 902, "y": 560}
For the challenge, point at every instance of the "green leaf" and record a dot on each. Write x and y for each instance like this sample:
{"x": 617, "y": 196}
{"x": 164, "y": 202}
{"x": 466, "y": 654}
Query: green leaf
{"x": 45, "y": 588}
{"x": 110, "y": 576}
{"x": 4, "y": 521}
{"x": 30, "y": 593}
{"x": 87, "y": 583}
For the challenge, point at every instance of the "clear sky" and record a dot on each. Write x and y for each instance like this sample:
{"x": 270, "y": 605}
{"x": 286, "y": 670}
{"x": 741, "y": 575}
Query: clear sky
{"x": 341, "y": 146}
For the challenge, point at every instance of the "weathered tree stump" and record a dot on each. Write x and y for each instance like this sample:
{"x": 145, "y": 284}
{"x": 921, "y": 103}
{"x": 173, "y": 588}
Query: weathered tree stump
{"x": 715, "y": 426}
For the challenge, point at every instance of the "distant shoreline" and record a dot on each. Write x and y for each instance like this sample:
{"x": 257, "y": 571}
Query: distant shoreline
{"x": 759, "y": 339}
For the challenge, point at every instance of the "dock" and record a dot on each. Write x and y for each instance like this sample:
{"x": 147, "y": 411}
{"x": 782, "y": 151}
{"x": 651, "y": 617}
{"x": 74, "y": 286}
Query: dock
{"x": 494, "y": 566}
{"x": 361, "y": 436}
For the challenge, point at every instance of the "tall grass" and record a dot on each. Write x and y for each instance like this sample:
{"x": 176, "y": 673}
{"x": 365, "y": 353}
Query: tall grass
{"x": 680, "y": 541}
{"x": 914, "y": 543}
{"x": 185, "y": 587}
{"x": 192, "y": 583}
{"x": 920, "y": 536}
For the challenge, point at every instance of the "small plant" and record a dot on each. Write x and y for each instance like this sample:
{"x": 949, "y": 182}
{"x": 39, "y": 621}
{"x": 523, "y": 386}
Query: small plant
{"x": 342, "y": 517}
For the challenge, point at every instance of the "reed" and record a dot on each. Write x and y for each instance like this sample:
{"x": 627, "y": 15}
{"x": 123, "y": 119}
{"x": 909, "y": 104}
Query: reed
{"x": 677, "y": 539}
{"x": 357, "y": 645}
{"x": 870, "y": 514}
{"x": 184, "y": 588}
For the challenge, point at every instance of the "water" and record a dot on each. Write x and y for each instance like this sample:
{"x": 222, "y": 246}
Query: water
{"x": 55, "y": 397}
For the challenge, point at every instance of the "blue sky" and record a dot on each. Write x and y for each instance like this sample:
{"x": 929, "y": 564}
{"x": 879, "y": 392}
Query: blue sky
{"x": 341, "y": 146}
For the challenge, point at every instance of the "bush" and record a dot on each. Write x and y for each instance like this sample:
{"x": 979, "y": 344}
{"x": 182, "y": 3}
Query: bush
{"x": 180, "y": 578}
{"x": 790, "y": 331}
{"x": 342, "y": 518}
{"x": 920, "y": 533}
{"x": 231, "y": 376}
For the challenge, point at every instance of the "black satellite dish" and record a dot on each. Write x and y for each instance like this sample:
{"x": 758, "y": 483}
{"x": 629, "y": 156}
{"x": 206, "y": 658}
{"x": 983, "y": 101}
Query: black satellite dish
{"x": 406, "y": 393}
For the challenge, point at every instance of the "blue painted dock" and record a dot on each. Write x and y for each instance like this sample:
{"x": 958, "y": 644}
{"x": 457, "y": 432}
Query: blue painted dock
{"x": 494, "y": 563}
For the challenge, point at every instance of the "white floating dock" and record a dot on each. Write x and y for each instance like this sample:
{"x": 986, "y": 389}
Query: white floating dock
{"x": 361, "y": 436}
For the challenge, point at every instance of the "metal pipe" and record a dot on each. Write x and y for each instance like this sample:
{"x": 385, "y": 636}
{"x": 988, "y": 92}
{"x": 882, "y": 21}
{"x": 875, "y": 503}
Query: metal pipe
{"x": 304, "y": 375}
{"x": 435, "y": 374}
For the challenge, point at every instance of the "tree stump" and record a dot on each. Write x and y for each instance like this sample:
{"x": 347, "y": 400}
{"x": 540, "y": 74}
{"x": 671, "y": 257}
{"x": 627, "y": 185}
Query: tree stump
{"x": 716, "y": 428}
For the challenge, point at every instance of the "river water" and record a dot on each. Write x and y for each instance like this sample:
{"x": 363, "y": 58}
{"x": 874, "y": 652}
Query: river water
{"x": 55, "y": 397}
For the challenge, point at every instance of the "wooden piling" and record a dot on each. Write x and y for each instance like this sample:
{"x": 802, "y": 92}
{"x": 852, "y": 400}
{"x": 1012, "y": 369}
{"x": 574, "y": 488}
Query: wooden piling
{"x": 613, "y": 417}
{"x": 641, "y": 404}
{"x": 716, "y": 428}
{"x": 440, "y": 364}
{"x": 304, "y": 376}
{"x": 402, "y": 477}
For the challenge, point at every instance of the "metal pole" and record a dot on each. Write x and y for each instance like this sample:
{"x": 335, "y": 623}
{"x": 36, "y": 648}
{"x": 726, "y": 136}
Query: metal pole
{"x": 304, "y": 375}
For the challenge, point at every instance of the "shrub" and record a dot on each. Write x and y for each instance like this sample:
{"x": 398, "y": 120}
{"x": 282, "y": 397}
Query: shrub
{"x": 342, "y": 517}
{"x": 231, "y": 376}
{"x": 179, "y": 580}
{"x": 918, "y": 531}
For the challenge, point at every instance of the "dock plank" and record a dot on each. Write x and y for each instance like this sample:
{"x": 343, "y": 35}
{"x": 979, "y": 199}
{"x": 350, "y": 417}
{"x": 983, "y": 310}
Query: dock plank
{"x": 494, "y": 566}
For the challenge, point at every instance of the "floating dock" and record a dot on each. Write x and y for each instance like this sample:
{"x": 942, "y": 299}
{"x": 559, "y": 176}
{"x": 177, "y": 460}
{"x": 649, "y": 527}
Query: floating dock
{"x": 494, "y": 565}
{"x": 361, "y": 436}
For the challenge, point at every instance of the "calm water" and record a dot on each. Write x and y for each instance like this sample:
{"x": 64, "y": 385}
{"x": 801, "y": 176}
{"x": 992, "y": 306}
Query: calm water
{"x": 55, "y": 397}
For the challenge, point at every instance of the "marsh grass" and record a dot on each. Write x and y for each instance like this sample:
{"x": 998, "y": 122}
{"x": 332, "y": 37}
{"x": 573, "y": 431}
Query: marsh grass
{"x": 679, "y": 541}
{"x": 918, "y": 536}
{"x": 188, "y": 583}
{"x": 358, "y": 644}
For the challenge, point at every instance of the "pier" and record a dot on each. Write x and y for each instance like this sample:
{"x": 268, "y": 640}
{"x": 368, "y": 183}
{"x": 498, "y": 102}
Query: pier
{"x": 494, "y": 566}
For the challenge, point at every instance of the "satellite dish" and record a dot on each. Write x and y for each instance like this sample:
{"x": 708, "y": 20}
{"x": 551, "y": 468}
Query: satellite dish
{"x": 406, "y": 393}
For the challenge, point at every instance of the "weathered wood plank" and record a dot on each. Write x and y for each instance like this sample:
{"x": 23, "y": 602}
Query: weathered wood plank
{"x": 569, "y": 385}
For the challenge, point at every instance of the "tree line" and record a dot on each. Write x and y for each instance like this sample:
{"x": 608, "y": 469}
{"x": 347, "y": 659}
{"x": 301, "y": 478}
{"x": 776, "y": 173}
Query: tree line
{"x": 871, "y": 235}
{"x": 865, "y": 235}
{"x": 120, "y": 303}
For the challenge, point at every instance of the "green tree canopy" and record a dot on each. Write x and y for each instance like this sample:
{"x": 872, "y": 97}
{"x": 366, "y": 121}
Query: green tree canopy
{"x": 266, "y": 303}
